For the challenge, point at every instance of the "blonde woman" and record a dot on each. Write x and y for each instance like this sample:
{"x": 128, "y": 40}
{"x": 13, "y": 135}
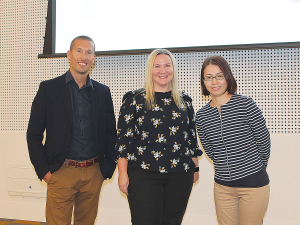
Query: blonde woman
{"x": 157, "y": 147}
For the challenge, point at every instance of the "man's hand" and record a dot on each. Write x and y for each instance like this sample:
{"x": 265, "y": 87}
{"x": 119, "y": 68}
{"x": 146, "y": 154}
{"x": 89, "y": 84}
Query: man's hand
{"x": 46, "y": 178}
{"x": 196, "y": 177}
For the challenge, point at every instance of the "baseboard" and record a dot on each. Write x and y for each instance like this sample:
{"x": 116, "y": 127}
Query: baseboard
{"x": 20, "y": 222}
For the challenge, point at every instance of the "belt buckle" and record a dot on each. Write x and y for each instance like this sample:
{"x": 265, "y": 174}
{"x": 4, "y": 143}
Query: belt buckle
{"x": 76, "y": 164}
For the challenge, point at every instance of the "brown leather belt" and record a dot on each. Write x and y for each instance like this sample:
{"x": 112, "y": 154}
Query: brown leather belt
{"x": 85, "y": 163}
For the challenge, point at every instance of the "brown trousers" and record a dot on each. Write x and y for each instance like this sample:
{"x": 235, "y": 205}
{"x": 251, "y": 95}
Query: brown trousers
{"x": 241, "y": 206}
{"x": 77, "y": 188}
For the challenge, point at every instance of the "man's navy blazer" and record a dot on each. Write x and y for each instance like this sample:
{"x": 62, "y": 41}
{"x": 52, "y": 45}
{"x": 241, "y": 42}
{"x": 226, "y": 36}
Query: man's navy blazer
{"x": 51, "y": 112}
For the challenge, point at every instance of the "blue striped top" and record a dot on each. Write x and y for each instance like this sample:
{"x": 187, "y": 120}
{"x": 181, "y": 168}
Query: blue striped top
{"x": 236, "y": 139}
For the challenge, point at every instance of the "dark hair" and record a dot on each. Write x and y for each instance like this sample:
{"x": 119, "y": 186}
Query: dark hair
{"x": 82, "y": 37}
{"x": 224, "y": 66}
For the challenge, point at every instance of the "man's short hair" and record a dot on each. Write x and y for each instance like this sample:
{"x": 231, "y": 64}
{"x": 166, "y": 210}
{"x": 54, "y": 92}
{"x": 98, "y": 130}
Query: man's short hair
{"x": 82, "y": 37}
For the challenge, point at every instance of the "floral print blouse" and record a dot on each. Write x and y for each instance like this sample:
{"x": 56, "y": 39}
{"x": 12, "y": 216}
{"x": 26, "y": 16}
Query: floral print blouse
{"x": 162, "y": 139}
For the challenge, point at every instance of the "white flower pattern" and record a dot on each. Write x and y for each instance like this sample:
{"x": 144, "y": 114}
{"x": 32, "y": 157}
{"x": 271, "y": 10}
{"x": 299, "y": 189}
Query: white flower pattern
{"x": 161, "y": 139}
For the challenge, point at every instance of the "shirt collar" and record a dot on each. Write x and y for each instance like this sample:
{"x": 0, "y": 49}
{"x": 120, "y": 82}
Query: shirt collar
{"x": 69, "y": 77}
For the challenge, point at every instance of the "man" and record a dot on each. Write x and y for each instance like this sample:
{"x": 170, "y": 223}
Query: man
{"x": 78, "y": 154}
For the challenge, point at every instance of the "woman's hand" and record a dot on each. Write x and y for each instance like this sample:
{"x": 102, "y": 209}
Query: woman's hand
{"x": 123, "y": 181}
{"x": 196, "y": 174}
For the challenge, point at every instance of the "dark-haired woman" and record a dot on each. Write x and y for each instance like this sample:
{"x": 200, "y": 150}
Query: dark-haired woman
{"x": 234, "y": 135}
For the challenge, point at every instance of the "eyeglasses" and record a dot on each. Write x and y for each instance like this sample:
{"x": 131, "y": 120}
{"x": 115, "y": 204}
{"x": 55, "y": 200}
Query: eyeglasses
{"x": 219, "y": 76}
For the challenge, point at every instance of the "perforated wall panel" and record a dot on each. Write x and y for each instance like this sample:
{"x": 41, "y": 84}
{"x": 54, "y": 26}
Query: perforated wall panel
{"x": 271, "y": 77}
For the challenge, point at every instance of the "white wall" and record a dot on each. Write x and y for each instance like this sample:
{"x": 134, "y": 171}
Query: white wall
{"x": 271, "y": 77}
{"x": 283, "y": 170}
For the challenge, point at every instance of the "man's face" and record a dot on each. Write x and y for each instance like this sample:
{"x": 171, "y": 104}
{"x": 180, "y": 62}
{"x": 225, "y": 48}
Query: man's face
{"x": 81, "y": 56}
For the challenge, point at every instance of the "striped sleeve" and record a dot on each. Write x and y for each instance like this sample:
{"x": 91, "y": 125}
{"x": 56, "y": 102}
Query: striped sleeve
{"x": 259, "y": 130}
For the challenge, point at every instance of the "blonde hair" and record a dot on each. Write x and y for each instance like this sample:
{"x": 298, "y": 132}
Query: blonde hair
{"x": 150, "y": 95}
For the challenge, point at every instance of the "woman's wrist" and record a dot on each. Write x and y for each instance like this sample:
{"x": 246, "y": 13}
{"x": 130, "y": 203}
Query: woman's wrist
{"x": 197, "y": 169}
